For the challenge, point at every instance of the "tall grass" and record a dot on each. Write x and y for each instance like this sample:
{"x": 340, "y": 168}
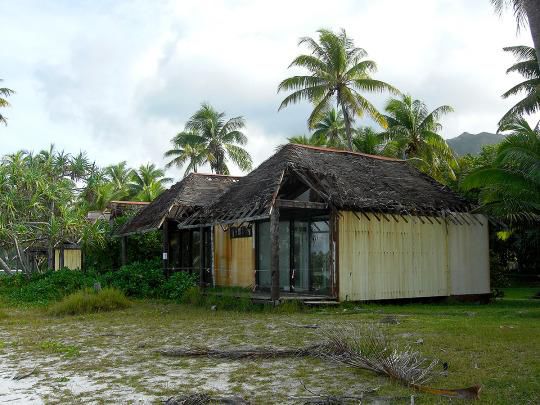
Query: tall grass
{"x": 88, "y": 301}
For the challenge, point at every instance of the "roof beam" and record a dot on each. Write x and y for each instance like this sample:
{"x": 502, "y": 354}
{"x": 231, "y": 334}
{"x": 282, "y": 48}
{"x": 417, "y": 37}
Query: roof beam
{"x": 301, "y": 204}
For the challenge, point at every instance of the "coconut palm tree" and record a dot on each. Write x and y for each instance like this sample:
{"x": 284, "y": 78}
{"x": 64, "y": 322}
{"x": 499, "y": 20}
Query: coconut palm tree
{"x": 524, "y": 11}
{"x": 528, "y": 67}
{"x": 330, "y": 128}
{"x": 414, "y": 131}
{"x": 187, "y": 148}
{"x": 148, "y": 182}
{"x": 222, "y": 139}
{"x": 367, "y": 140}
{"x": 119, "y": 175}
{"x": 339, "y": 74}
{"x": 307, "y": 140}
{"x": 4, "y": 92}
{"x": 510, "y": 186}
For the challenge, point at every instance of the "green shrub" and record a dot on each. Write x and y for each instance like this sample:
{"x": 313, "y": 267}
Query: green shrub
{"x": 193, "y": 296}
{"x": 88, "y": 301}
{"x": 177, "y": 285}
{"x": 140, "y": 279}
{"x": 3, "y": 315}
{"x": 44, "y": 287}
{"x": 140, "y": 247}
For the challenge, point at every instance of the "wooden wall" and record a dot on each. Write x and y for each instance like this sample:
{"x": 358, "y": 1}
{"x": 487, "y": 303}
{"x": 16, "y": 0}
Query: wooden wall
{"x": 234, "y": 260}
{"x": 381, "y": 259}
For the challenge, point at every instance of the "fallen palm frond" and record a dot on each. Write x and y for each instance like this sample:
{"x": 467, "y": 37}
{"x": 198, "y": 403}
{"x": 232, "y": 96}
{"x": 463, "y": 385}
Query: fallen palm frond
{"x": 369, "y": 349}
{"x": 366, "y": 349}
{"x": 241, "y": 353}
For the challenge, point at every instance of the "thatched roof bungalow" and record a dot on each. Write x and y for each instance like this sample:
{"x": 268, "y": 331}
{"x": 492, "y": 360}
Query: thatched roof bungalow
{"x": 342, "y": 225}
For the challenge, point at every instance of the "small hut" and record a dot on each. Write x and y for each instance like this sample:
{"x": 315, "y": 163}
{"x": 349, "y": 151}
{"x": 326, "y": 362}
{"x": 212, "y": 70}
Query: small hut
{"x": 183, "y": 250}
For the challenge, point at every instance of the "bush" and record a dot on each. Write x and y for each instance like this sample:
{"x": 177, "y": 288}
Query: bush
{"x": 140, "y": 279}
{"x": 140, "y": 247}
{"x": 193, "y": 296}
{"x": 177, "y": 285}
{"x": 44, "y": 287}
{"x": 88, "y": 301}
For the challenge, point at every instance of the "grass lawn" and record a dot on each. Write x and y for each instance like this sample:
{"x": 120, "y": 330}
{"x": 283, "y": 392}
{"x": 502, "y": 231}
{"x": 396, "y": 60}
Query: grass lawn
{"x": 110, "y": 357}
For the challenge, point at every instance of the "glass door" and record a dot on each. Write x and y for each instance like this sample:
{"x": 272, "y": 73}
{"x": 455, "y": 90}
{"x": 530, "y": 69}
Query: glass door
{"x": 319, "y": 257}
{"x": 300, "y": 271}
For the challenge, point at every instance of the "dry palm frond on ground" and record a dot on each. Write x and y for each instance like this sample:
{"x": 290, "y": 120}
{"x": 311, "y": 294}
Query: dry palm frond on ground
{"x": 367, "y": 349}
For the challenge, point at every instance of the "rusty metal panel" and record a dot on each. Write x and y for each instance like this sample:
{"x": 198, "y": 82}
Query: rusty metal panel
{"x": 389, "y": 259}
{"x": 234, "y": 260}
{"x": 468, "y": 247}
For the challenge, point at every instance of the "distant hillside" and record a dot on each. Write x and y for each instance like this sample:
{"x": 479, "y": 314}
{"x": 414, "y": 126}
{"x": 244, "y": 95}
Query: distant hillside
{"x": 472, "y": 143}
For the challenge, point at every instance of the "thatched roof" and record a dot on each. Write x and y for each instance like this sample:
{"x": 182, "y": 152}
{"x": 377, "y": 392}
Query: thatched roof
{"x": 194, "y": 192}
{"x": 343, "y": 180}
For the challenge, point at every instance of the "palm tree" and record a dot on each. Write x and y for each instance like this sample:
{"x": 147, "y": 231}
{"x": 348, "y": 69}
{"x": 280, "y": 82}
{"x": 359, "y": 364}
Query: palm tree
{"x": 524, "y": 11}
{"x": 339, "y": 74}
{"x": 330, "y": 128}
{"x": 367, "y": 140}
{"x": 4, "y": 92}
{"x": 148, "y": 182}
{"x": 307, "y": 140}
{"x": 222, "y": 139}
{"x": 510, "y": 186}
{"x": 528, "y": 67}
{"x": 119, "y": 175}
{"x": 187, "y": 148}
{"x": 414, "y": 130}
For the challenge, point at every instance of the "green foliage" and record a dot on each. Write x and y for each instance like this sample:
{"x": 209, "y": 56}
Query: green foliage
{"x": 209, "y": 138}
{"x": 89, "y": 301}
{"x": 509, "y": 186}
{"x": 3, "y": 315}
{"x": 4, "y": 92}
{"x": 527, "y": 66}
{"x": 193, "y": 296}
{"x": 139, "y": 279}
{"x": 413, "y": 132}
{"x": 338, "y": 74}
{"x": 140, "y": 248}
{"x": 147, "y": 182}
{"x": 52, "y": 346}
{"x": 42, "y": 288}
{"x": 178, "y": 284}
{"x": 38, "y": 206}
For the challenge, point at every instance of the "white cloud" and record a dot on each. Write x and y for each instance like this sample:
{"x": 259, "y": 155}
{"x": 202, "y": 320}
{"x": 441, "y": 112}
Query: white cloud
{"x": 119, "y": 79}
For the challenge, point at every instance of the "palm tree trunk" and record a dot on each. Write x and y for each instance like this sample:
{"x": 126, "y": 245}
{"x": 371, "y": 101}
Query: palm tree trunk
{"x": 347, "y": 126}
{"x": 532, "y": 8}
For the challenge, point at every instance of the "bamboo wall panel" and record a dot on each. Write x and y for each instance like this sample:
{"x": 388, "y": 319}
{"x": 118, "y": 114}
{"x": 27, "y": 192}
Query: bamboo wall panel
{"x": 72, "y": 259}
{"x": 234, "y": 260}
{"x": 380, "y": 259}
{"x": 469, "y": 257}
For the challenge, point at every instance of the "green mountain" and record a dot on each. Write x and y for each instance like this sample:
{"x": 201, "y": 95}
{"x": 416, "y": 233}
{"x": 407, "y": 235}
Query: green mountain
{"x": 472, "y": 143}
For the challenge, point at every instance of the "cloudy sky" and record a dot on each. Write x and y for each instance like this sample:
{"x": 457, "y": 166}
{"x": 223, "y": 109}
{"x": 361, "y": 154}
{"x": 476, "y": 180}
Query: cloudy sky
{"x": 119, "y": 78}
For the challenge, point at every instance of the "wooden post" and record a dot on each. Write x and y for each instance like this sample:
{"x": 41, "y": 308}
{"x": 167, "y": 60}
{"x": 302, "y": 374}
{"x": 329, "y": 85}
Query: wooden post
{"x": 50, "y": 256}
{"x": 332, "y": 253}
{"x": 123, "y": 250}
{"x": 61, "y": 257}
{"x": 201, "y": 257}
{"x": 274, "y": 254}
{"x": 165, "y": 240}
